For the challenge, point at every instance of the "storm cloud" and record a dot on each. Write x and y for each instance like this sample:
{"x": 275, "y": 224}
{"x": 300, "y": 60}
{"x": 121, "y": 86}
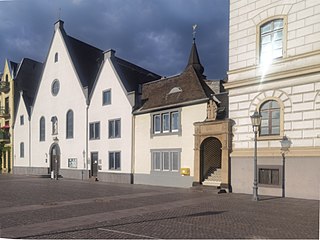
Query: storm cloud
{"x": 155, "y": 34}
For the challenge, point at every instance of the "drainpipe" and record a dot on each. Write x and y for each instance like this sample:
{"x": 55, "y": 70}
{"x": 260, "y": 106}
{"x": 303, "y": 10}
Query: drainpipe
{"x": 132, "y": 149}
{"x": 87, "y": 137}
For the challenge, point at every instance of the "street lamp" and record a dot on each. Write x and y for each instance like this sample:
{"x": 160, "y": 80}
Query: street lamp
{"x": 285, "y": 145}
{"x": 256, "y": 121}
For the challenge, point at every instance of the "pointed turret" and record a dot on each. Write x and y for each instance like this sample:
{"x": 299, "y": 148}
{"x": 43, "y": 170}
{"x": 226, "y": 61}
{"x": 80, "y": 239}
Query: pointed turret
{"x": 194, "y": 59}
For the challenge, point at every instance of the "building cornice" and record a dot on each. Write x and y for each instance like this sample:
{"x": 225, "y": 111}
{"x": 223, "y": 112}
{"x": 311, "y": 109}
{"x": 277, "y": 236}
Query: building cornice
{"x": 276, "y": 152}
{"x": 274, "y": 76}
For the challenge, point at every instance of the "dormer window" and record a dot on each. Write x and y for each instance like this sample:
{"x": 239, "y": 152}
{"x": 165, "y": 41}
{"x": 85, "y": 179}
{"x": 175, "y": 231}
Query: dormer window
{"x": 56, "y": 57}
{"x": 271, "y": 41}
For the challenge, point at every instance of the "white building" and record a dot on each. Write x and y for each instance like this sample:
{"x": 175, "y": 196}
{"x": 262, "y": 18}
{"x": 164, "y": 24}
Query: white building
{"x": 64, "y": 135}
{"x": 274, "y": 67}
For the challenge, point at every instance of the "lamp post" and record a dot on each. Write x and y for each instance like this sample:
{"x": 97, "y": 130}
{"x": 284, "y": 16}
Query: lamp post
{"x": 256, "y": 121}
{"x": 285, "y": 145}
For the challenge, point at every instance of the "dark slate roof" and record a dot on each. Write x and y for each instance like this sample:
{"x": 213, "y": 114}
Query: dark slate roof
{"x": 132, "y": 75}
{"x": 27, "y": 80}
{"x": 86, "y": 59}
{"x": 13, "y": 66}
{"x": 184, "y": 88}
{"x": 187, "y": 88}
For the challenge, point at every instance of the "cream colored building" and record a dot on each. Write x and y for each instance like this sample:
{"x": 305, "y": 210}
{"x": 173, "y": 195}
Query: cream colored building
{"x": 274, "y": 67}
{"x": 7, "y": 115}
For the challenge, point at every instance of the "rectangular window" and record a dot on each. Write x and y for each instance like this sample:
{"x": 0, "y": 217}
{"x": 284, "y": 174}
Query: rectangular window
{"x": 94, "y": 130}
{"x": 72, "y": 163}
{"x": 114, "y": 161}
{"x": 156, "y": 124}
{"x": 269, "y": 176}
{"x": 166, "y": 122}
{"x": 165, "y": 160}
{"x": 106, "y": 97}
{"x": 115, "y": 128}
{"x": 21, "y": 120}
{"x": 22, "y": 150}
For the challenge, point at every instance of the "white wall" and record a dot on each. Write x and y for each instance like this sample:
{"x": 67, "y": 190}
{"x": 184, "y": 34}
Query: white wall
{"x": 21, "y": 134}
{"x": 144, "y": 142}
{"x": 119, "y": 108}
{"x": 69, "y": 97}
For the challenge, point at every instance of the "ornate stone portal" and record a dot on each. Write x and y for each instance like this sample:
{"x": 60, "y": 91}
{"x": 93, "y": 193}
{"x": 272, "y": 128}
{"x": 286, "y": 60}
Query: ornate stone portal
{"x": 220, "y": 130}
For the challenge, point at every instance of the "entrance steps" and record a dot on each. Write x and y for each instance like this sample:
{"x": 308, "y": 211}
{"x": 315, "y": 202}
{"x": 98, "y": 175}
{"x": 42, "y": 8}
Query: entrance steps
{"x": 214, "y": 178}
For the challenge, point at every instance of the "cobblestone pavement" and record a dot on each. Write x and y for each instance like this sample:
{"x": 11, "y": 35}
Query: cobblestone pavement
{"x": 41, "y": 208}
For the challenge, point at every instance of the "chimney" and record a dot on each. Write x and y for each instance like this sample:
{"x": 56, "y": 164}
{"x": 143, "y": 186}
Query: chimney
{"x": 58, "y": 24}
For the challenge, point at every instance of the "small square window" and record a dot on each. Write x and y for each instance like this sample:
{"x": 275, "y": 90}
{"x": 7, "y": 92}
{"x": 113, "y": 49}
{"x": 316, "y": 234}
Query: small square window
{"x": 106, "y": 97}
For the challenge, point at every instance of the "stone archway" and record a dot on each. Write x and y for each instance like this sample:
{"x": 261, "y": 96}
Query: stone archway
{"x": 221, "y": 132}
{"x": 210, "y": 157}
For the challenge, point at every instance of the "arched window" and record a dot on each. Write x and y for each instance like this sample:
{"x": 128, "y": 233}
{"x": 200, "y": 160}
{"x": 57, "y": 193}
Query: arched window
{"x": 56, "y": 57}
{"x": 42, "y": 129}
{"x": 7, "y": 78}
{"x": 21, "y": 150}
{"x": 69, "y": 124}
{"x": 270, "y": 121}
{"x": 271, "y": 41}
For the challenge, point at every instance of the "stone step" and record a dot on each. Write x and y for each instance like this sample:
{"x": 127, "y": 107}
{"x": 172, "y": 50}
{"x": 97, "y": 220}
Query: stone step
{"x": 211, "y": 183}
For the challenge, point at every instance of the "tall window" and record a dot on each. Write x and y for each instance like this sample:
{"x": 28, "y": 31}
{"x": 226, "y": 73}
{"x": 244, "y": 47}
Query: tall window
{"x": 115, "y": 128}
{"x": 42, "y": 129}
{"x": 21, "y": 150}
{"x": 270, "y": 118}
{"x": 165, "y": 160}
{"x": 166, "y": 122}
{"x": 69, "y": 124}
{"x": 94, "y": 130}
{"x": 114, "y": 160}
{"x": 56, "y": 57}
{"x": 106, "y": 97}
{"x": 271, "y": 40}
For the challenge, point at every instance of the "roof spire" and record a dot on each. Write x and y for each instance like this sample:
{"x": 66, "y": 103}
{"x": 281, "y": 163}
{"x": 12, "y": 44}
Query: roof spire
{"x": 194, "y": 59}
{"x": 194, "y": 32}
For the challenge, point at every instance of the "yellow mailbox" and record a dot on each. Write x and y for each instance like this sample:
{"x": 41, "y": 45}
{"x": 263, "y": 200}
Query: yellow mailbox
{"x": 185, "y": 171}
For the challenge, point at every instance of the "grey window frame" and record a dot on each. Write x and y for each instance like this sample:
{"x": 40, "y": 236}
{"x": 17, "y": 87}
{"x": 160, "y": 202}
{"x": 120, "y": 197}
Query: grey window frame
{"x": 104, "y": 103}
{"x": 112, "y": 132}
{"x": 114, "y": 153}
{"x": 162, "y": 153}
{"x": 160, "y": 130}
{"x": 56, "y": 57}
{"x": 94, "y": 124}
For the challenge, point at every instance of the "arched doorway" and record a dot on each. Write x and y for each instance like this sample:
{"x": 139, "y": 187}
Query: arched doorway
{"x": 210, "y": 159}
{"x": 55, "y": 159}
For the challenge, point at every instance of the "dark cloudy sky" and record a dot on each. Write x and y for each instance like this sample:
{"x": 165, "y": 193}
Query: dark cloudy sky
{"x": 155, "y": 34}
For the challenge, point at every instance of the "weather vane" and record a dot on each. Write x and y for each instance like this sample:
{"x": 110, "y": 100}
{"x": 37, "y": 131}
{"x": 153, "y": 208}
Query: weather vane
{"x": 59, "y": 14}
{"x": 194, "y": 31}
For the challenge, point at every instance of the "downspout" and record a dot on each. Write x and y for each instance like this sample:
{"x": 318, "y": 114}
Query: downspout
{"x": 87, "y": 137}
{"x": 29, "y": 130}
{"x": 132, "y": 149}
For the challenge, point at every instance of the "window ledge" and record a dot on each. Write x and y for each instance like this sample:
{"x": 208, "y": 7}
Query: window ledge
{"x": 269, "y": 138}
